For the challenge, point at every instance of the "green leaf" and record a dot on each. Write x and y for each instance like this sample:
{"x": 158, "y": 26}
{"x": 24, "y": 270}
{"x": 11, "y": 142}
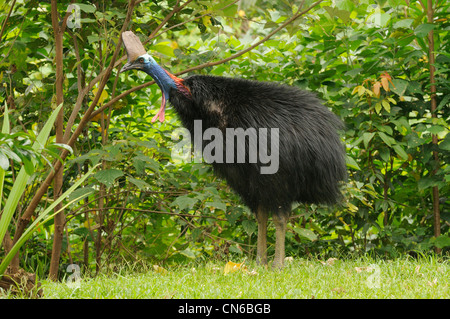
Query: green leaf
{"x": 140, "y": 184}
{"x": 108, "y": 176}
{"x": 400, "y": 151}
{"x": 386, "y": 139}
{"x": 378, "y": 107}
{"x": 219, "y": 205}
{"x": 426, "y": 182}
{"x": 10, "y": 154}
{"x": 270, "y": 25}
{"x": 236, "y": 249}
{"x": 352, "y": 73}
{"x": 64, "y": 146}
{"x": 4, "y": 165}
{"x": 379, "y": 19}
{"x": 5, "y": 127}
{"x": 423, "y": 30}
{"x": 305, "y": 233}
{"x": 443, "y": 102}
{"x": 445, "y": 144}
{"x": 442, "y": 241}
{"x": 436, "y": 129}
{"x": 352, "y": 163}
{"x": 249, "y": 226}
{"x": 385, "y": 154}
{"x": 139, "y": 165}
{"x": 405, "y": 23}
{"x": 367, "y": 136}
{"x": 83, "y": 232}
{"x": 347, "y": 5}
{"x": 184, "y": 202}
{"x": 29, "y": 166}
{"x": 188, "y": 253}
{"x": 344, "y": 15}
{"x": 386, "y": 106}
{"x": 414, "y": 87}
{"x": 230, "y": 11}
{"x": 414, "y": 140}
{"x": 149, "y": 162}
{"x": 232, "y": 215}
{"x": 93, "y": 38}
{"x": 164, "y": 48}
{"x": 88, "y": 8}
{"x": 400, "y": 86}
{"x": 80, "y": 193}
{"x": 4, "y": 161}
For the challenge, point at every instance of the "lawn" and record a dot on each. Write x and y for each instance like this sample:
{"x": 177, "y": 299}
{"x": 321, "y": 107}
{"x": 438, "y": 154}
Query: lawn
{"x": 426, "y": 277}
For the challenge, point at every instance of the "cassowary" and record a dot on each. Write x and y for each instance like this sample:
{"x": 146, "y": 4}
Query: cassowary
{"x": 310, "y": 163}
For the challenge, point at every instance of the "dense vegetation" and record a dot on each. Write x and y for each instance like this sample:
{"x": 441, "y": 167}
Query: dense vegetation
{"x": 382, "y": 66}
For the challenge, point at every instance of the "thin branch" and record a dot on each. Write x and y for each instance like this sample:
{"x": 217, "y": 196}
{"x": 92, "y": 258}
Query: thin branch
{"x": 434, "y": 137}
{"x": 58, "y": 179}
{"x": 6, "y": 20}
{"x": 149, "y": 211}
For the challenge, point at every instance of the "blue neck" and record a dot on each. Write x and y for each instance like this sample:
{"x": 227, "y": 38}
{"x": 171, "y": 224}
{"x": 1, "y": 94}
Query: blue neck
{"x": 164, "y": 81}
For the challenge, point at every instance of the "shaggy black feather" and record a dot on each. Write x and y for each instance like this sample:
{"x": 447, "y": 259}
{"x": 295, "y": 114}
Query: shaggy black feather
{"x": 311, "y": 156}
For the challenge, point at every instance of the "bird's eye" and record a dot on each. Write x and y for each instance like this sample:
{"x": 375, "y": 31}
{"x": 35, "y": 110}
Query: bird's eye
{"x": 141, "y": 60}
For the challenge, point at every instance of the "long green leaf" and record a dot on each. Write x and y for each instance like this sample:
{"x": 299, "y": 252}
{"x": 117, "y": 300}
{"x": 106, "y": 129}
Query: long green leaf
{"x": 43, "y": 218}
{"x": 5, "y": 127}
{"x": 22, "y": 178}
{"x": 5, "y": 130}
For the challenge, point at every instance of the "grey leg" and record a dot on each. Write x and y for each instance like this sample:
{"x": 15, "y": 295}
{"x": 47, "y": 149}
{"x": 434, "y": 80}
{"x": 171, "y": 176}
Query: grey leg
{"x": 261, "y": 252}
{"x": 280, "y": 221}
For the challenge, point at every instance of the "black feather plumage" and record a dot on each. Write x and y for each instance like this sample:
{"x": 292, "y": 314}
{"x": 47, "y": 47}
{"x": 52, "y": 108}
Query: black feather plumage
{"x": 311, "y": 156}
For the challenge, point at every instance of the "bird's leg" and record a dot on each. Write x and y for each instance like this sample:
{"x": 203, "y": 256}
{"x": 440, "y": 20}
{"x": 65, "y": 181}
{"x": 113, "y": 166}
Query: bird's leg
{"x": 262, "y": 217}
{"x": 280, "y": 220}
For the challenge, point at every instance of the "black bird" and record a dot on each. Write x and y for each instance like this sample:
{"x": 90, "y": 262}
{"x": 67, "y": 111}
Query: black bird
{"x": 311, "y": 160}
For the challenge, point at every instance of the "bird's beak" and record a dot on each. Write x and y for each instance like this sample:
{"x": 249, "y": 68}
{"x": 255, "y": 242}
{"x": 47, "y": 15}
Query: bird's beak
{"x": 128, "y": 66}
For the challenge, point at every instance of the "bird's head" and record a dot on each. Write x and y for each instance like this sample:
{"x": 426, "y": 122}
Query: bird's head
{"x": 164, "y": 79}
{"x": 143, "y": 62}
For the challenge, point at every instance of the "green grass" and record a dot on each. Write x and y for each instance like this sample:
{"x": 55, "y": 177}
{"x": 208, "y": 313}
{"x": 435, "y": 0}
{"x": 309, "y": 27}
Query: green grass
{"x": 402, "y": 278}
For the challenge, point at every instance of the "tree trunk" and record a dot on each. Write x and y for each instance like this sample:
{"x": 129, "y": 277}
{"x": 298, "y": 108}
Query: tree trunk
{"x": 431, "y": 61}
{"x": 58, "y": 180}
